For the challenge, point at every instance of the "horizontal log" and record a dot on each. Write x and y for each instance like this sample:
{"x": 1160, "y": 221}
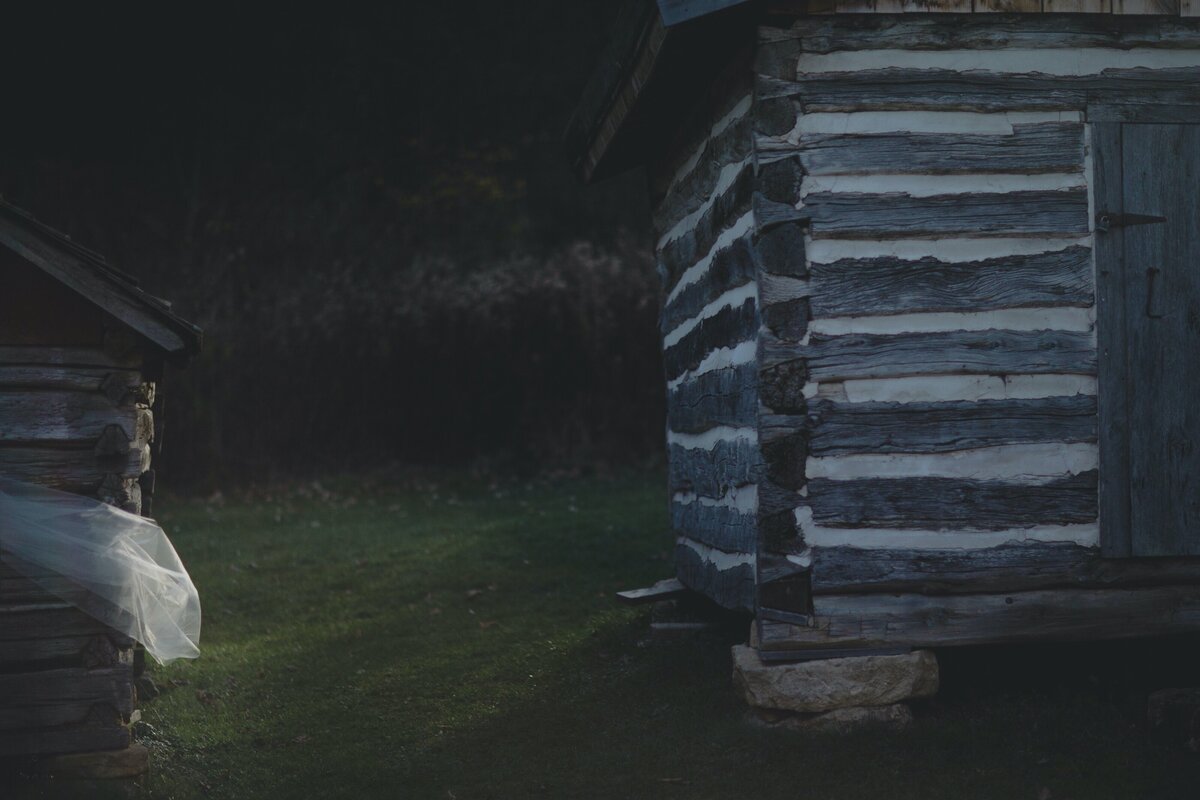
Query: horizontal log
{"x": 1013, "y": 567}
{"x": 887, "y": 285}
{"x": 690, "y": 246}
{"x": 731, "y": 267}
{"x": 840, "y": 428}
{"x": 32, "y": 416}
{"x": 731, "y": 588}
{"x": 71, "y": 378}
{"x": 69, "y": 356}
{"x": 691, "y": 191}
{"x": 933, "y": 503}
{"x": 913, "y": 32}
{"x": 914, "y": 620}
{"x": 1049, "y": 147}
{"x": 831, "y": 358}
{"x": 730, "y": 463}
{"x": 721, "y": 397}
{"x": 71, "y": 469}
{"x": 723, "y": 527}
{"x": 53, "y": 698}
{"x": 947, "y": 90}
{"x": 729, "y": 326}
{"x": 54, "y": 632}
{"x": 899, "y": 215}
{"x": 85, "y": 738}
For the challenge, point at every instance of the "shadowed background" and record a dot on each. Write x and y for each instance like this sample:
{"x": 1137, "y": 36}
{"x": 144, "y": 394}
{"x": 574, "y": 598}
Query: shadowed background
{"x": 373, "y": 220}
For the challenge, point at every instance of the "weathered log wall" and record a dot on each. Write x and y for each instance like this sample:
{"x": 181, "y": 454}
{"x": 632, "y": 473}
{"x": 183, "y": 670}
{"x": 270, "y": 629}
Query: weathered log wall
{"x": 710, "y": 322}
{"x": 928, "y": 357}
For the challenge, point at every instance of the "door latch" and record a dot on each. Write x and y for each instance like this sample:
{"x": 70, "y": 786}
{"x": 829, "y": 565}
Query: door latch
{"x": 1107, "y": 220}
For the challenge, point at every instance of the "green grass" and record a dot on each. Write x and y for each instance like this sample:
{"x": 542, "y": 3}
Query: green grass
{"x": 460, "y": 640}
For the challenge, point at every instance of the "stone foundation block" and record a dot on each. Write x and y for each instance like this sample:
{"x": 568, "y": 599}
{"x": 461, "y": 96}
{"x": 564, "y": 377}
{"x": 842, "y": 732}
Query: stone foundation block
{"x": 842, "y": 720}
{"x": 835, "y": 683}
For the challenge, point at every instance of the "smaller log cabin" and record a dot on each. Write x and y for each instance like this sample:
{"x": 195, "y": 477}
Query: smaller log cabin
{"x": 931, "y": 312}
{"x": 82, "y": 350}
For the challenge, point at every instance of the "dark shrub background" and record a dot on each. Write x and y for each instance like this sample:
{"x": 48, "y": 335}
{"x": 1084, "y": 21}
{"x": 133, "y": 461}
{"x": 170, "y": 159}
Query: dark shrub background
{"x": 373, "y": 219}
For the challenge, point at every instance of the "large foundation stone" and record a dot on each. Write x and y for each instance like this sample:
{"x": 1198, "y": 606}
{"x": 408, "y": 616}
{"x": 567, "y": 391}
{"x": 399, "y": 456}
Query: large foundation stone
{"x": 835, "y": 683}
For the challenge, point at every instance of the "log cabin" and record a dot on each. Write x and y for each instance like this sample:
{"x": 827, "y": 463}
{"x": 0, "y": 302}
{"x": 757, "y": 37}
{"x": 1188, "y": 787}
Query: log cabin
{"x": 82, "y": 351}
{"x": 931, "y": 310}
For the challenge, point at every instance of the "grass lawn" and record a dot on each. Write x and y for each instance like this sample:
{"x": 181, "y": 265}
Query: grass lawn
{"x": 451, "y": 639}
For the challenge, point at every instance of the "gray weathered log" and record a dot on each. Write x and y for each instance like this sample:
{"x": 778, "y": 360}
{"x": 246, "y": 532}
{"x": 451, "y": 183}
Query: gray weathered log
{"x": 1013, "y": 567}
{"x": 726, "y": 328}
{"x": 88, "y": 737}
{"x": 68, "y": 356}
{"x": 71, "y": 469}
{"x": 731, "y": 146}
{"x": 838, "y": 428}
{"x": 933, "y": 503}
{"x": 716, "y": 526}
{"x": 53, "y": 698}
{"x": 898, "y": 215}
{"x": 118, "y": 383}
{"x": 913, "y": 620}
{"x": 726, "y": 396}
{"x": 691, "y": 245}
{"x": 731, "y": 267}
{"x": 1050, "y": 147}
{"x": 712, "y": 472}
{"x": 889, "y": 285}
{"x": 732, "y": 587}
{"x": 993, "y": 352}
{"x": 31, "y": 416}
{"x": 780, "y": 251}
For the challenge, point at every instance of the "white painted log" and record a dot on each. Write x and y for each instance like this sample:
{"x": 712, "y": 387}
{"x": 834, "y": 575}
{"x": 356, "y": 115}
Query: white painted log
{"x": 1000, "y": 123}
{"x": 818, "y": 536}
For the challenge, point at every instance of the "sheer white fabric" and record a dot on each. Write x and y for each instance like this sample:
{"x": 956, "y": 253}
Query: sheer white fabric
{"x": 119, "y": 567}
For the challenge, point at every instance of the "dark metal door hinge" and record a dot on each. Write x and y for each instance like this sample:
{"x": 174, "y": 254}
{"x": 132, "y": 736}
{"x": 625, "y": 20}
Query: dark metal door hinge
{"x": 1107, "y": 220}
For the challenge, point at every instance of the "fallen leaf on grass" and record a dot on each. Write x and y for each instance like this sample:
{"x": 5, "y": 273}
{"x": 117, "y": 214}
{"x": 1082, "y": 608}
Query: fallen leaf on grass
{"x": 206, "y": 698}
{"x": 487, "y": 623}
{"x": 301, "y": 739}
{"x": 473, "y": 593}
{"x": 673, "y": 780}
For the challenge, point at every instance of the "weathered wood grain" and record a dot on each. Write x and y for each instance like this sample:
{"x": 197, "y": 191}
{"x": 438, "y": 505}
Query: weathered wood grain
{"x": 717, "y": 526}
{"x": 780, "y": 251}
{"x": 1046, "y": 147}
{"x": 839, "y": 428}
{"x": 933, "y": 503}
{"x": 68, "y": 356}
{"x": 1008, "y": 6}
{"x": 829, "y": 358}
{"x": 88, "y": 737}
{"x": 787, "y": 320}
{"x": 948, "y": 90}
{"x": 878, "y": 620}
{"x": 730, "y": 146}
{"x": 1169, "y": 7}
{"x": 691, "y": 245}
{"x": 783, "y": 373}
{"x": 721, "y": 397}
{"x": 1013, "y": 567}
{"x": 52, "y": 698}
{"x": 729, "y": 326}
{"x": 71, "y": 469}
{"x": 732, "y": 588}
{"x": 117, "y": 383}
{"x": 53, "y": 416}
{"x": 731, "y": 267}
{"x": 971, "y": 33}
{"x": 713, "y": 472}
{"x": 857, "y": 286}
{"x": 896, "y": 215}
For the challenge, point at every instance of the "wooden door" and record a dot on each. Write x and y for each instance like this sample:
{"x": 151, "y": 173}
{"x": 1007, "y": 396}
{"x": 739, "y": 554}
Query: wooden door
{"x": 1148, "y": 280}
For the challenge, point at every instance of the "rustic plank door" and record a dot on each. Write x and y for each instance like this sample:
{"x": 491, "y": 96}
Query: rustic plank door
{"x": 1148, "y": 274}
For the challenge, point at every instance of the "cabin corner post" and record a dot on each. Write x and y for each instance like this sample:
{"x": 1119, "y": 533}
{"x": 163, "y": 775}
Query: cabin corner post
{"x": 702, "y": 191}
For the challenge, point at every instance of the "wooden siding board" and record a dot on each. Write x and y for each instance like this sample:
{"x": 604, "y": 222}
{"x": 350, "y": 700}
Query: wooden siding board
{"x": 933, "y": 503}
{"x": 843, "y": 428}
{"x": 891, "y": 285}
